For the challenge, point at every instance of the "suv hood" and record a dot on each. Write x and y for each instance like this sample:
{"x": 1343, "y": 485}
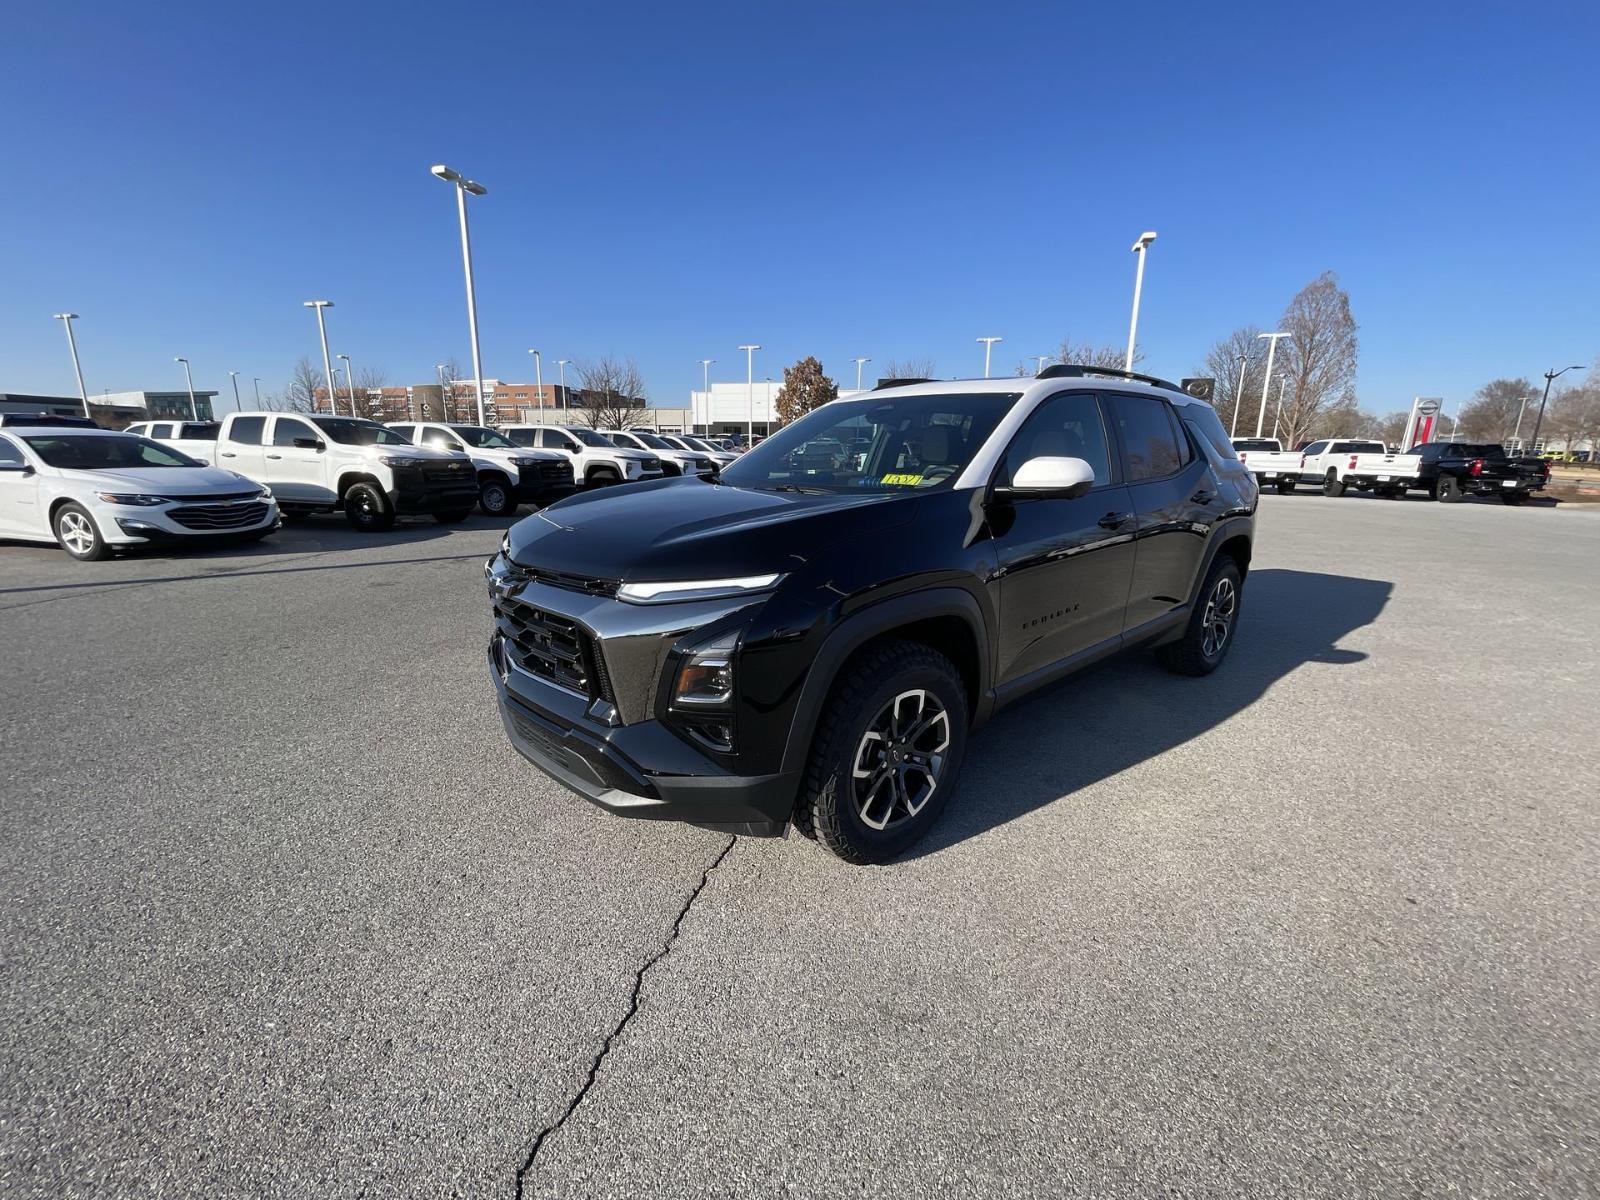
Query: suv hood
{"x": 166, "y": 481}
{"x": 688, "y": 529}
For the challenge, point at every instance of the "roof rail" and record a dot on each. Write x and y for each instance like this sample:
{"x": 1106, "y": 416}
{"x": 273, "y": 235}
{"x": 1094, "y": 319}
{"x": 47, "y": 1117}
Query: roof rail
{"x": 891, "y": 383}
{"x": 1078, "y": 371}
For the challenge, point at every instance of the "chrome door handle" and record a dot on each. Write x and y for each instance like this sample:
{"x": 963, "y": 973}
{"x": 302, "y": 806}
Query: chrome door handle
{"x": 274, "y": 456}
{"x": 229, "y": 454}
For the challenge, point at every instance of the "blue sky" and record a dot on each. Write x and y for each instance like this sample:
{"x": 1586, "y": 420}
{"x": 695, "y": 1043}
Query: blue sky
{"x": 671, "y": 180}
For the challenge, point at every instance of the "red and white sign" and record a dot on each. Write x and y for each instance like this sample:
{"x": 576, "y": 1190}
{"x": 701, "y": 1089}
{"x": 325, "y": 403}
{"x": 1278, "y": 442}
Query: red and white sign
{"x": 1420, "y": 425}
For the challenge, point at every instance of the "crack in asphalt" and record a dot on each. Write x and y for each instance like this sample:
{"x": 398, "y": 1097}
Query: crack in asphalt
{"x": 633, "y": 1007}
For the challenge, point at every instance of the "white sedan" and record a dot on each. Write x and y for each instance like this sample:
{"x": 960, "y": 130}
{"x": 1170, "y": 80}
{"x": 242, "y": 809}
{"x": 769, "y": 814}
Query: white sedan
{"x": 93, "y": 490}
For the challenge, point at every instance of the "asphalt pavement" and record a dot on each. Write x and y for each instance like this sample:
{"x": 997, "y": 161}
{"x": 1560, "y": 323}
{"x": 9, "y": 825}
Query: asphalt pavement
{"x": 284, "y": 916}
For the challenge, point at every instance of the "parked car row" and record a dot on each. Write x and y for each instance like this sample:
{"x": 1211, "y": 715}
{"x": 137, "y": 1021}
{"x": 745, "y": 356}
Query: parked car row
{"x": 1446, "y": 471}
{"x": 92, "y": 490}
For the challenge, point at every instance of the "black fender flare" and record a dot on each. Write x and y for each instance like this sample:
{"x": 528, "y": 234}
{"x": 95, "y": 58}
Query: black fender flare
{"x": 1224, "y": 531}
{"x": 860, "y": 627}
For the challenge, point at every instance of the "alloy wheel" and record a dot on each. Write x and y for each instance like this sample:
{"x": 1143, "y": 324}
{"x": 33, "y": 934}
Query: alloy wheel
{"x": 900, "y": 759}
{"x": 1217, "y": 622}
{"x": 76, "y": 533}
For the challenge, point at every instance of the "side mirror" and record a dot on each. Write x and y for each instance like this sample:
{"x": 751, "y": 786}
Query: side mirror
{"x": 1049, "y": 478}
{"x": 305, "y": 443}
{"x": 17, "y": 468}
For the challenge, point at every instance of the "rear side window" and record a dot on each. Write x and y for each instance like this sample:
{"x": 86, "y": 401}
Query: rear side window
{"x": 204, "y": 431}
{"x": 1315, "y": 448}
{"x": 1065, "y": 426}
{"x": 405, "y": 431}
{"x": 9, "y": 452}
{"x": 523, "y": 437}
{"x": 1203, "y": 419}
{"x": 246, "y": 431}
{"x": 161, "y": 431}
{"x": 1149, "y": 436}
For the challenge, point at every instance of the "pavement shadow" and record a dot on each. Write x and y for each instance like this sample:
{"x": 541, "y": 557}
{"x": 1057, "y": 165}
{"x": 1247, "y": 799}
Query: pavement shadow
{"x": 1130, "y": 709}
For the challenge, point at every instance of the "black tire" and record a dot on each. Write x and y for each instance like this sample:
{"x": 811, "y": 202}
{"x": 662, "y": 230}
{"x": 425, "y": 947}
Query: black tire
{"x": 1513, "y": 497}
{"x": 1285, "y": 486}
{"x": 1195, "y": 653}
{"x": 876, "y": 682}
{"x": 367, "y": 508}
{"x": 603, "y": 477}
{"x": 454, "y": 517}
{"x": 77, "y": 533}
{"x": 1332, "y": 485}
{"x": 495, "y": 496}
{"x": 1450, "y": 490}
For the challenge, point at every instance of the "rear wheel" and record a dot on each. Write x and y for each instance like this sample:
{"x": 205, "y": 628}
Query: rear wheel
{"x": 78, "y": 534}
{"x": 1332, "y": 485}
{"x": 495, "y": 496}
{"x": 1209, "y": 634}
{"x": 1450, "y": 490}
{"x": 367, "y": 508}
{"x": 1285, "y": 486}
{"x": 887, "y": 753}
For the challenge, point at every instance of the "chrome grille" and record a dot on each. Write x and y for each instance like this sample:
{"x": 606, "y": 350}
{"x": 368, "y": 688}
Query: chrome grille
{"x": 219, "y": 516}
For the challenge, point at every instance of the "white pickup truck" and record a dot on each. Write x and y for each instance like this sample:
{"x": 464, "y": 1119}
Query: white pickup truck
{"x": 597, "y": 461}
{"x": 508, "y": 474}
{"x": 197, "y": 439}
{"x": 1368, "y": 466}
{"x": 1269, "y": 462}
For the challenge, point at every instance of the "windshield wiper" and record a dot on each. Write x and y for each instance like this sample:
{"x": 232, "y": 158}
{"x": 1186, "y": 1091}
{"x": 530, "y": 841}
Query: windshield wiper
{"x": 795, "y": 487}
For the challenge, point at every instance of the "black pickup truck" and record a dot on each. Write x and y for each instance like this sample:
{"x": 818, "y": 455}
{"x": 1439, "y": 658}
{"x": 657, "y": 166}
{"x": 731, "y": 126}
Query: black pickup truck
{"x": 1451, "y": 470}
{"x": 811, "y": 640}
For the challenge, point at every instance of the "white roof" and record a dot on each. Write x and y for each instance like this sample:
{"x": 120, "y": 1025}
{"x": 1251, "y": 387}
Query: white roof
{"x": 1022, "y": 384}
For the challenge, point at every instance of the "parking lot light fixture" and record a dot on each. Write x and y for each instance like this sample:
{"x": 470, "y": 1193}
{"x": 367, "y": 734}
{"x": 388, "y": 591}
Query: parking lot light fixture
{"x": 1139, "y": 247}
{"x": 1272, "y": 345}
{"x": 1550, "y": 377}
{"x": 561, "y": 365}
{"x": 327, "y": 363}
{"x": 538, "y": 380}
{"x": 1041, "y": 359}
{"x": 194, "y": 413}
{"x": 256, "y": 379}
{"x": 859, "y": 363}
{"x": 750, "y": 382}
{"x": 1238, "y": 396}
{"x": 72, "y": 344}
{"x": 463, "y": 186}
{"x": 350, "y": 383}
{"x": 705, "y": 378}
{"x": 233, "y": 377}
{"x": 988, "y": 347}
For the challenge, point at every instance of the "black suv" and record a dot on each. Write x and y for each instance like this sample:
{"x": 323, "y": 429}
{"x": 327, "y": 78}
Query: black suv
{"x": 811, "y": 638}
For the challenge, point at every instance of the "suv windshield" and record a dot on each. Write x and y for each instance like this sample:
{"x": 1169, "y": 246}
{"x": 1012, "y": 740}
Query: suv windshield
{"x": 488, "y": 439}
{"x": 352, "y": 431}
{"x": 651, "y": 440}
{"x": 590, "y": 438}
{"x": 883, "y": 444}
{"x": 87, "y": 452}
{"x": 697, "y": 444}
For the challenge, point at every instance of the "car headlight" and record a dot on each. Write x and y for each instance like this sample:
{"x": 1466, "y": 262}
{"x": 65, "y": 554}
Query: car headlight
{"x": 505, "y": 544}
{"x": 137, "y": 499}
{"x": 696, "y": 589}
{"x": 526, "y": 462}
{"x": 398, "y": 460}
{"x": 631, "y": 467}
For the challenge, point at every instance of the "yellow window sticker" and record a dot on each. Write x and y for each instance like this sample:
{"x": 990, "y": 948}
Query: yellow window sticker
{"x": 902, "y": 480}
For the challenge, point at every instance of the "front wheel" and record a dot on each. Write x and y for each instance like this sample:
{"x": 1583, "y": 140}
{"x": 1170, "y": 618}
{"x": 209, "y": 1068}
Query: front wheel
{"x": 603, "y": 477}
{"x": 495, "y": 497}
{"x": 1332, "y": 485}
{"x": 1209, "y": 634}
{"x": 367, "y": 508}
{"x": 1450, "y": 490}
{"x": 79, "y": 535}
{"x": 887, "y": 753}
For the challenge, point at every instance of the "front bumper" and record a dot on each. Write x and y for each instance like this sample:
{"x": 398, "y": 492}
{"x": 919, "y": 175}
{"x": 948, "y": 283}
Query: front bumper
{"x": 1499, "y": 487}
{"x": 543, "y": 491}
{"x": 1373, "y": 479}
{"x": 138, "y": 525}
{"x": 413, "y": 497}
{"x": 640, "y": 770}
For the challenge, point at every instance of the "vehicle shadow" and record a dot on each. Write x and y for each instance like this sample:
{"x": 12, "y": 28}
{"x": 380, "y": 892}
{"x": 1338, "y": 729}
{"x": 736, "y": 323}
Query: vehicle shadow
{"x": 1131, "y": 709}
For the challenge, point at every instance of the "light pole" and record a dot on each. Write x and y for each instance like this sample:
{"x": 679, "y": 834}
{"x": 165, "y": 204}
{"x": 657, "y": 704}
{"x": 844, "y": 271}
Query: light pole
{"x": 561, "y": 365}
{"x": 750, "y": 382}
{"x": 1550, "y": 377}
{"x": 1278, "y": 416}
{"x": 256, "y": 379}
{"x": 327, "y": 363}
{"x": 350, "y": 383}
{"x": 1238, "y": 397}
{"x": 988, "y": 346}
{"x": 72, "y": 344}
{"x": 233, "y": 376}
{"x": 1139, "y": 248}
{"x": 444, "y": 407}
{"x": 1272, "y": 346}
{"x": 194, "y": 413}
{"x": 705, "y": 376}
{"x": 1041, "y": 359}
{"x": 463, "y": 186}
{"x": 1522, "y": 408}
{"x": 538, "y": 380}
{"x": 333, "y": 405}
{"x": 859, "y": 363}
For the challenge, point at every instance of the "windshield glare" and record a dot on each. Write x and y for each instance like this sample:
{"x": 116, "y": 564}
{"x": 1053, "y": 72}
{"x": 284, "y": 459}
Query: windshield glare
{"x": 477, "y": 435}
{"x": 99, "y": 453}
{"x": 890, "y": 444}
{"x": 590, "y": 438}
{"x": 351, "y": 431}
{"x": 651, "y": 440}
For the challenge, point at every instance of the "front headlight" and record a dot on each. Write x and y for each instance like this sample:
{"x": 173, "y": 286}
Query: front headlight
{"x": 696, "y": 589}
{"x": 703, "y": 693}
{"x": 526, "y": 462}
{"x": 398, "y": 460}
{"x": 136, "y": 500}
{"x": 505, "y": 544}
{"x": 630, "y": 467}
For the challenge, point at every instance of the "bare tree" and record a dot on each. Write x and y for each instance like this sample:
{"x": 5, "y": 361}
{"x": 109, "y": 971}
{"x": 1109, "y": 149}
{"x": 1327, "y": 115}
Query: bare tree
{"x": 1491, "y": 414}
{"x": 1574, "y": 417}
{"x": 1318, "y": 357}
{"x": 369, "y": 380}
{"x": 1393, "y": 427}
{"x": 1087, "y": 354}
{"x": 1222, "y": 364}
{"x": 612, "y": 392}
{"x": 305, "y": 384}
{"x": 909, "y": 368}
